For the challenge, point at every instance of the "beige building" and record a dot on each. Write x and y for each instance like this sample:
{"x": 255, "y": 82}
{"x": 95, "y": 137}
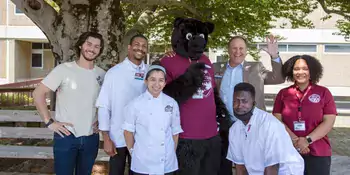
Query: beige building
{"x": 333, "y": 51}
{"x": 24, "y": 52}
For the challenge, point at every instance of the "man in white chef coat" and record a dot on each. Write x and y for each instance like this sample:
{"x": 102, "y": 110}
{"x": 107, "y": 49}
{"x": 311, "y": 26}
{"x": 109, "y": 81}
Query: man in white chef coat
{"x": 258, "y": 142}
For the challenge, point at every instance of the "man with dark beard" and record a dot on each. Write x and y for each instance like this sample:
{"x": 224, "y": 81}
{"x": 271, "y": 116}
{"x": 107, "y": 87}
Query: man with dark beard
{"x": 76, "y": 137}
{"x": 123, "y": 82}
{"x": 259, "y": 143}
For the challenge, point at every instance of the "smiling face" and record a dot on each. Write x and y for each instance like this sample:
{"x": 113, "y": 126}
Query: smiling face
{"x": 90, "y": 49}
{"x": 155, "y": 82}
{"x": 301, "y": 73}
{"x": 237, "y": 51}
{"x": 138, "y": 49}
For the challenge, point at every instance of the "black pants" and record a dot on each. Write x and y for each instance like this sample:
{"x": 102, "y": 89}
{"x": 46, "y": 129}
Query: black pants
{"x": 118, "y": 161}
{"x": 172, "y": 173}
{"x": 226, "y": 165}
{"x": 199, "y": 157}
{"x": 315, "y": 165}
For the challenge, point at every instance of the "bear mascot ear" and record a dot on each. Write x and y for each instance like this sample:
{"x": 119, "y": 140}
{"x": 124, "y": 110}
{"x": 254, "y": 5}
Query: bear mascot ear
{"x": 178, "y": 21}
{"x": 210, "y": 27}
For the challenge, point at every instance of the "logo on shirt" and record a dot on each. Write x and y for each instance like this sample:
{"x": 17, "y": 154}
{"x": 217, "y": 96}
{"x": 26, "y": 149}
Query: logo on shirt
{"x": 314, "y": 98}
{"x": 99, "y": 80}
{"x": 168, "y": 108}
{"x": 207, "y": 86}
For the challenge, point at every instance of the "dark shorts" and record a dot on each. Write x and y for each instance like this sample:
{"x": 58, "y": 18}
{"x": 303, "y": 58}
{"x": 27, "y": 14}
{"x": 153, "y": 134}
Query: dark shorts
{"x": 199, "y": 157}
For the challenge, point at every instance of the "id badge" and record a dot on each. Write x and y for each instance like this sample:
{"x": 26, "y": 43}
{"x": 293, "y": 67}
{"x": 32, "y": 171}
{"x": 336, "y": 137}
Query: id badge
{"x": 299, "y": 126}
{"x": 139, "y": 75}
{"x": 198, "y": 95}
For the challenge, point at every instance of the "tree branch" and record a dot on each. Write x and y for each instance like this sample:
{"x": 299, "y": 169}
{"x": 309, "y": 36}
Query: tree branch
{"x": 142, "y": 23}
{"x": 176, "y": 3}
{"x": 37, "y": 15}
{"x": 328, "y": 11}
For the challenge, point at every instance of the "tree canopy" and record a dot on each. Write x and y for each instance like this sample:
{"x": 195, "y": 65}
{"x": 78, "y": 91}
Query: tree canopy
{"x": 63, "y": 21}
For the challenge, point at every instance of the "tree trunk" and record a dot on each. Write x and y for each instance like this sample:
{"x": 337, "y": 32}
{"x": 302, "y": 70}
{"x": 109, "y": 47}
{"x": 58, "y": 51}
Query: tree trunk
{"x": 75, "y": 17}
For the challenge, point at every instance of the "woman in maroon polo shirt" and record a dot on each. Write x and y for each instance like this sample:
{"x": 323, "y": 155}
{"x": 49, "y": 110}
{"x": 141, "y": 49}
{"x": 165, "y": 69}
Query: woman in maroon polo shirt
{"x": 308, "y": 110}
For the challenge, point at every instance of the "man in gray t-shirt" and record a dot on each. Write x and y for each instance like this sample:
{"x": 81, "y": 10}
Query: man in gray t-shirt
{"x": 77, "y": 83}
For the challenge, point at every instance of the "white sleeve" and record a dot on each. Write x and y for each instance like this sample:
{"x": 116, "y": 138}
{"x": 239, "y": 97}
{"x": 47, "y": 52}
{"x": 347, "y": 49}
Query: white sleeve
{"x": 103, "y": 103}
{"x": 54, "y": 79}
{"x": 277, "y": 144}
{"x": 175, "y": 120}
{"x": 234, "y": 152}
{"x": 130, "y": 118}
{"x": 103, "y": 119}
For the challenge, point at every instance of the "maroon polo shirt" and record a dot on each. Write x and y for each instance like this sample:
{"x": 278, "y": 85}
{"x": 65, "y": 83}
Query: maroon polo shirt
{"x": 317, "y": 102}
{"x": 198, "y": 116}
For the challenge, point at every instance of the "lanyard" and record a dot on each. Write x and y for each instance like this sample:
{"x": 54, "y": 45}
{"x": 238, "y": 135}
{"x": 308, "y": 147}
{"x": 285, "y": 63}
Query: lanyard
{"x": 301, "y": 100}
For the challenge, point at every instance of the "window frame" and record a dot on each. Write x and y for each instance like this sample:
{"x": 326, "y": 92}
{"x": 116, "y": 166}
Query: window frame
{"x": 290, "y": 44}
{"x": 336, "y": 53}
{"x": 37, "y": 51}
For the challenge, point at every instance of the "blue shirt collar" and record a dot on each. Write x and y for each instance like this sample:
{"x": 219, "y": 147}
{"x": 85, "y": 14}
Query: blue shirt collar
{"x": 228, "y": 65}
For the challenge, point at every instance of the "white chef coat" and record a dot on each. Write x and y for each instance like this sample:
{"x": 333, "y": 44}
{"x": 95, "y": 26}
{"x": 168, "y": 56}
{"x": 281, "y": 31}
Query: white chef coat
{"x": 263, "y": 142}
{"x": 119, "y": 88}
{"x": 153, "y": 121}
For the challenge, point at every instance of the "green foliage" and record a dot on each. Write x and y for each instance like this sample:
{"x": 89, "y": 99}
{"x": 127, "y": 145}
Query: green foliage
{"x": 250, "y": 18}
{"x": 15, "y": 99}
{"x": 338, "y": 7}
{"x": 53, "y": 4}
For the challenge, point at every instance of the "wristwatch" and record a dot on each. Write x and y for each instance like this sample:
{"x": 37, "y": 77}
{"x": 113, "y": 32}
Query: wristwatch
{"x": 49, "y": 122}
{"x": 131, "y": 150}
{"x": 309, "y": 140}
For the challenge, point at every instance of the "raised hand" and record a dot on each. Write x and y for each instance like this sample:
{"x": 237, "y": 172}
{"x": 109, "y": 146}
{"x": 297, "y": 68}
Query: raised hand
{"x": 272, "y": 46}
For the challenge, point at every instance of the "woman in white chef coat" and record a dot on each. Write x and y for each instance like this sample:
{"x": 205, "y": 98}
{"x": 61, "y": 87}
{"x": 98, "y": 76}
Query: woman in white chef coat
{"x": 152, "y": 126}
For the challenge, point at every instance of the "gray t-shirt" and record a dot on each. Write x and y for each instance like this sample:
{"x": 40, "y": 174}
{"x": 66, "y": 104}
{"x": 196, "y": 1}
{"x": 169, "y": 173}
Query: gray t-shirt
{"x": 77, "y": 90}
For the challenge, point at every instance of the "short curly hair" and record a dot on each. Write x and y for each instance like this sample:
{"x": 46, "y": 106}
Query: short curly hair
{"x": 314, "y": 65}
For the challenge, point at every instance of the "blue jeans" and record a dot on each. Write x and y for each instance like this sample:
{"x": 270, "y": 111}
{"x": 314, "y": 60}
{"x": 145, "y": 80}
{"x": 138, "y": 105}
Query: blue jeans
{"x": 75, "y": 154}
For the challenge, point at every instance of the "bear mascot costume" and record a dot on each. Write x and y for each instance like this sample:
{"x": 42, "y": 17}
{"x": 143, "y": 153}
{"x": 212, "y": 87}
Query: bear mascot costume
{"x": 190, "y": 81}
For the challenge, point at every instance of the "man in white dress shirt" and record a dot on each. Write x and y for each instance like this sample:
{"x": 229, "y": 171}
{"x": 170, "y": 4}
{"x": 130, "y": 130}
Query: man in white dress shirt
{"x": 259, "y": 143}
{"x": 122, "y": 83}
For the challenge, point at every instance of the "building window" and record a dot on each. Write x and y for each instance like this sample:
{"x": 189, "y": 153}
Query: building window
{"x": 18, "y": 11}
{"x": 37, "y": 55}
{"x": 302, "y": 48}
{"x": 281, "y": 47}
{"x": 47, "y": 46}
{"x": 339, "y": 48}
{"x": 37, "y": 60}
{"x": 37, "y": 45}
{"x": 293, "y": 47}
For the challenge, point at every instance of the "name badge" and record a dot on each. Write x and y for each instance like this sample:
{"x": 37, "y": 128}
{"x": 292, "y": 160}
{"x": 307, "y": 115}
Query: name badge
{"x": 198, "y": 95}
{"x": 299, "y": 126}
{"x": 139, "y": 75}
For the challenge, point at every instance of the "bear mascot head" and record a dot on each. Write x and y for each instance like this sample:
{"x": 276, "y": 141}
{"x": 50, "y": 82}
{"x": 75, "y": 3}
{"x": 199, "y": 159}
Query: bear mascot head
{"x": 190, "y": 37}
